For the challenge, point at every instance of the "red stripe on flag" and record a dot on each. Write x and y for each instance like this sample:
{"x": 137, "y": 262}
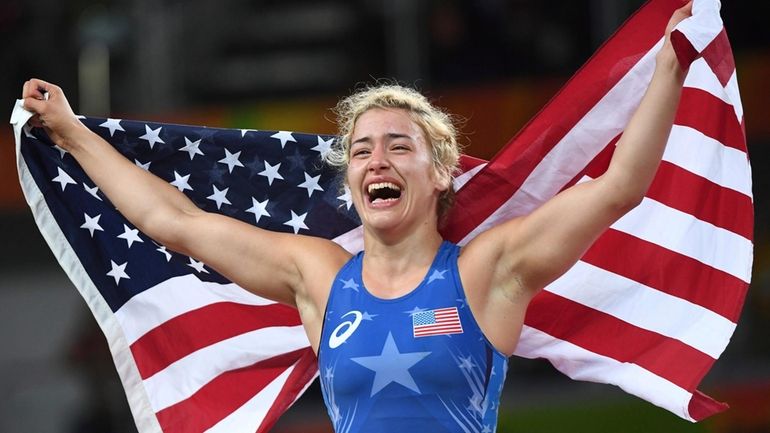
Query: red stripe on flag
{"x": 223, "y": 395}
{"x": 304, "y": 371}
{"x": 711, "y": 116}
{"x": 468, "y": 162}
{"x": 196, "y": 329}
{"x": 685, "y": 52}
{"x": 506, "y": 172}
{"x": 719, "y": 55}
{"x": 668, "y": 272}
{"x": 609, "y": 336}
{"x": 703, "y": 199}
{"x": 702, "y": 406}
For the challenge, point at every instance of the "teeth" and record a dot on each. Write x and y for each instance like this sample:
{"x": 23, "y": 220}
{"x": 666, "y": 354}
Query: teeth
{"x": 381, "y": 185}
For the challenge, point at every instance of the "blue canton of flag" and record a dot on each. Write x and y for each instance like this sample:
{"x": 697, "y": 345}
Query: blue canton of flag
{"x": 274, "y": 180}
{"x": 442, "y": 321}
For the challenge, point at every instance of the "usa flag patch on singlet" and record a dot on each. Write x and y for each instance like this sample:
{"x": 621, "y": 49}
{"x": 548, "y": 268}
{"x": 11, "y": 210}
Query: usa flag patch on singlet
{"x": 442, "y": 321}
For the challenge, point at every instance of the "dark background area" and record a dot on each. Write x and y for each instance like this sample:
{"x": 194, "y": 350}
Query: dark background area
{"x": 280, "y": 65}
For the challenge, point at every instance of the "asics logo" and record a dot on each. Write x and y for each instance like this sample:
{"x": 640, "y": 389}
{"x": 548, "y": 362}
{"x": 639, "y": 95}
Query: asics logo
{"x": 344, "y": 330}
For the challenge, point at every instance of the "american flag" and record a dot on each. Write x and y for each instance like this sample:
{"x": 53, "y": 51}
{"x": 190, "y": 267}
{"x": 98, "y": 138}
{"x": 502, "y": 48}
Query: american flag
{"x": 649, "y": 308}
{"x": 441, "y": 321}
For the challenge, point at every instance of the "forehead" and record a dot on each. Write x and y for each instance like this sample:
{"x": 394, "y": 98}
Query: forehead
{"x": 377, "y": 122}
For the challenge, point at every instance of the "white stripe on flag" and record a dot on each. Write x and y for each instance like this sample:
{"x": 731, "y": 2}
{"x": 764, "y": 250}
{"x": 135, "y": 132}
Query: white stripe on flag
{"x": 703, "y": 26}
{"x": 734, "y": 95}
{"x": 708, "y": 158}
{"x": 175, "y": 383}
{"x": 701, "y": 77}
{"x": 175, "y": 296}
{"x": 632, "y": 302}
{"x": 683, "y": 233}
{"x": 581, "y": 364}
{"x": 248, "y": 418}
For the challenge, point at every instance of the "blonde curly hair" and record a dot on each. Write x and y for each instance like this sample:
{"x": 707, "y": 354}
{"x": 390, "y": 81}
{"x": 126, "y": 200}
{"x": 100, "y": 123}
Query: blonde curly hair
{"x": 437, "y": 125}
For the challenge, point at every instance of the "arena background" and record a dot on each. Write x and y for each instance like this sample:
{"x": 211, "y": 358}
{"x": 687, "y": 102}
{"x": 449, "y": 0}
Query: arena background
{"x": 280, "y": 65}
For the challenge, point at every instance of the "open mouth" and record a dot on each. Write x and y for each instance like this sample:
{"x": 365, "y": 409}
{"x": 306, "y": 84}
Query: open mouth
{"x": 383, "y": 192}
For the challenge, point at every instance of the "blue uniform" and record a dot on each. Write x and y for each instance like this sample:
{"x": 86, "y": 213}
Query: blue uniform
{"x": 416, "y": 363}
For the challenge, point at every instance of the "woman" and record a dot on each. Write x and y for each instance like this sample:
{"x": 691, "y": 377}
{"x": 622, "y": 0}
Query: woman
{"x": 415, "y": 331}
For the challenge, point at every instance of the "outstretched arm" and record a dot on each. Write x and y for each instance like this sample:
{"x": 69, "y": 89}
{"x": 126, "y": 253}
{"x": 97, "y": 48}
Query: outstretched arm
{"x": 554, "y": 237}
{"x": 530, "y": 252}
{"x": 273, "y": 265}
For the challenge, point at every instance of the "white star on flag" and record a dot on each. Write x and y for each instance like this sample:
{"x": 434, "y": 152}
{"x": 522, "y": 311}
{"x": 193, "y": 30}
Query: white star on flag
{"x": 219, "y": 197}
{"x": 118, "y": 272}
{"x": 297, "y": 222}
{"x": 113, "y": 125}
{"x": 311, "y": 184}
{"x": 92, "y": 224}
{"x": 271, "y": 172}
{"x": 346, "y": 197}
{"x": 244, "y": 131}
{"x": 181, "y": 182}
{"x": 231, "y": 159}
{"x": 143, "y": 166}
{"x": 163, "y": 250}
{"x": 198, "y": 266}
{"x": 61, "y": 150}
{"x": 63, "y": 178}
{"x": 324, "y": 146}
{"x": 284, "y": 136}
{"x": 152, "y": 136}
{"x": 258, "y": 208}
{"x": 191, "y": 147}
{"x": 93, "y": 191}
{"x": 130, "y": 235}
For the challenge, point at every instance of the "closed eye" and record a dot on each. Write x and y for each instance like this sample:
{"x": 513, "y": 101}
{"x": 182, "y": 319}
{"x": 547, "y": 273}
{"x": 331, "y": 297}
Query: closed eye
{"x": 360, "y": 152}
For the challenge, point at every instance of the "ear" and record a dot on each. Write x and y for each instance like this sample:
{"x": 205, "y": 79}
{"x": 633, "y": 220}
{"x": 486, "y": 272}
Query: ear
{"x": 442, "y": 180}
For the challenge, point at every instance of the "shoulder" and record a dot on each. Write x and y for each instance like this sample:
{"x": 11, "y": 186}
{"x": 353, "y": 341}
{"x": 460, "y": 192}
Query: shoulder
{"x": 318, "y": 261}
{"x": 490, "y": 266}
{"x": 318, "y": 254}
{"x": 491, "y": 245}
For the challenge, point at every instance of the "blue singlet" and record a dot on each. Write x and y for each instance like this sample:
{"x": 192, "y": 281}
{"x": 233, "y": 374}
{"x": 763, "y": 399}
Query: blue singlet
{"x": 418, "y": 363}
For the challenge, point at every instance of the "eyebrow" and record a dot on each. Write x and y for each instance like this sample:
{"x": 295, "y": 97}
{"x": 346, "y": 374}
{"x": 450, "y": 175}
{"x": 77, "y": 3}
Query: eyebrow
{"x": 390, "y": 136}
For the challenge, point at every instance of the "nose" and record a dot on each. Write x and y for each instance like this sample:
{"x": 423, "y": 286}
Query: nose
{"x": 378, "y": 160}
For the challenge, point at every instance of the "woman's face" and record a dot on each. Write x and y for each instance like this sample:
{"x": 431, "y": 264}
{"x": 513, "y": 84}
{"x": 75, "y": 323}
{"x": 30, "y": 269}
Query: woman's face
{"x": 391, "y": 175}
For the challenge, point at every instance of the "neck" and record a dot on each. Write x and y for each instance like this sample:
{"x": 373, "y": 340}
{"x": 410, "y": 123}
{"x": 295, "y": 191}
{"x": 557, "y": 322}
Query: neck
{"x": 393, "y": 267}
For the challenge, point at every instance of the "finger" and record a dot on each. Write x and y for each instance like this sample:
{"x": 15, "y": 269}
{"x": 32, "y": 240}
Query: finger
{"x": 33, "y": 104}
{"x": 24, "y": 89}
{"x": 38, "y": 88}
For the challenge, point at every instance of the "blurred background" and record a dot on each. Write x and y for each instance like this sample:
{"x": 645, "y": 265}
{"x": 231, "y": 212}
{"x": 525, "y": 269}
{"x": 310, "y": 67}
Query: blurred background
{"x": 273, "y": 64}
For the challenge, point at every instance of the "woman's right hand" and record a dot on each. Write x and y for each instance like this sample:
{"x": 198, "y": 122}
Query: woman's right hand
{"x": 51, "y": 111}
